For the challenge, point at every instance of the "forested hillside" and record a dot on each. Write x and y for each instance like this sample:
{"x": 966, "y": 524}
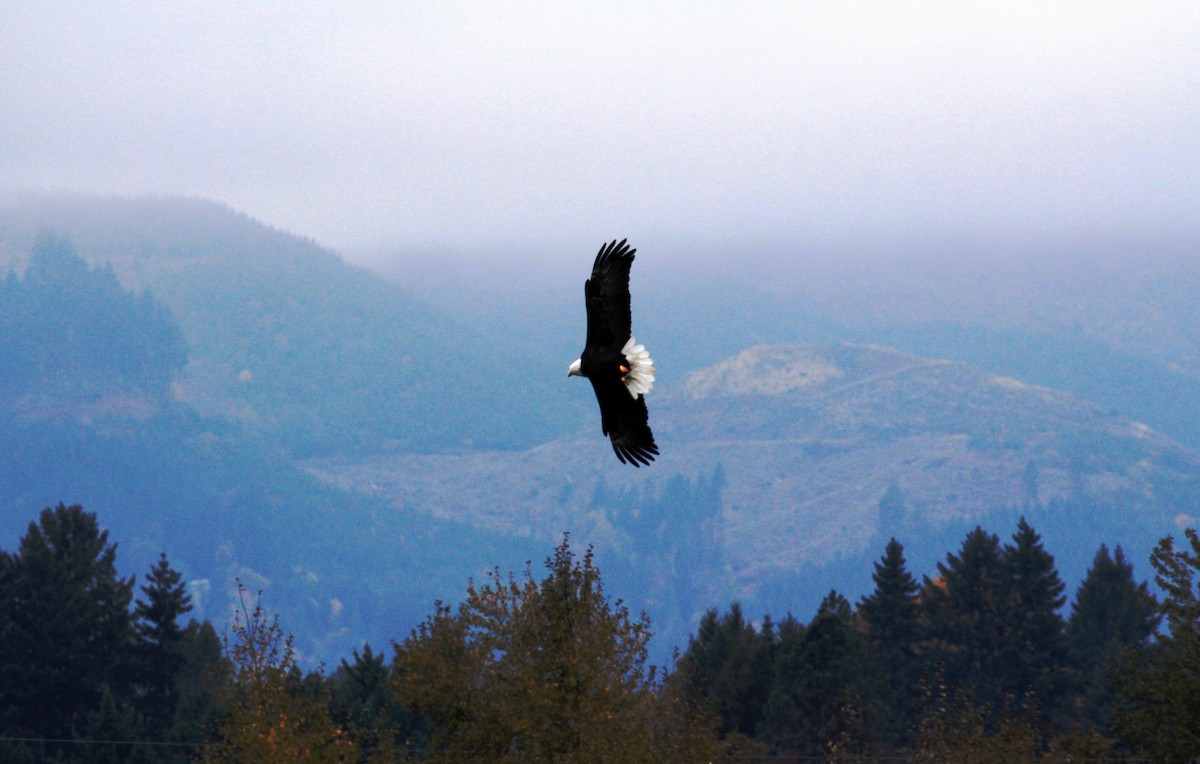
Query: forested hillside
{"x": 290, "y": 343}
{"x": 110, "y": 340}
{"x": 785, "y": 467}
{"x": 90, "y": 410}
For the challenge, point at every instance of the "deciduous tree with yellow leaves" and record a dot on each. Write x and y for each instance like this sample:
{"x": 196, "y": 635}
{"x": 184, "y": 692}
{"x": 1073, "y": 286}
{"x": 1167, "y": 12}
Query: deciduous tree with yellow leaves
{"x": 548, "y": 671}
{"x": 273, "y": 714}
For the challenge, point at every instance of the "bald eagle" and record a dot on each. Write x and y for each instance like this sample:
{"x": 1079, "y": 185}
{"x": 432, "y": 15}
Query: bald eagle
{"x": 620, "y": 370}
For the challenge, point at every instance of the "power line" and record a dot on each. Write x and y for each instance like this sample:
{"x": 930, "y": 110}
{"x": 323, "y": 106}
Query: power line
{"x": 85, "y": 741}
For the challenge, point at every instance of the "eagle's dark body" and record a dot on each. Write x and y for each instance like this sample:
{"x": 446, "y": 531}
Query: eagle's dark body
{"x": 619, "y": 369}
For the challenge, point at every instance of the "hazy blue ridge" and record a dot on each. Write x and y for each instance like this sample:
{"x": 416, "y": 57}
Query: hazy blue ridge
{"x": 359, "y": 447}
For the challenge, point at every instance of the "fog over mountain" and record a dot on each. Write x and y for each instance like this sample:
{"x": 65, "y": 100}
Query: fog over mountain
{"x": 361, "y": 444}
{"x": 536, "y": 127}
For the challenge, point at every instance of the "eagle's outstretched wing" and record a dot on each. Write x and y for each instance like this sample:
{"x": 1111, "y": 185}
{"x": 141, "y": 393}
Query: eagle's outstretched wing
{"x": 607, "y": 296}
{"x": 625, "y": 420}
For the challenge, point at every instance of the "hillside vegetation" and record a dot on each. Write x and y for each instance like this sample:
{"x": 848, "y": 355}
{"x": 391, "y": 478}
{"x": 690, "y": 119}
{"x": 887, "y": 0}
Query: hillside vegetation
{"x": 291, "y": 343}
{"x": 91, "y": 409}
{"x": 259, "y": 408}
{"x": 791, "y": 464}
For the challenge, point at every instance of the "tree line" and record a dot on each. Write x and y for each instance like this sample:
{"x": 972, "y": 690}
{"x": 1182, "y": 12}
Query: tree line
{"x": 974, "y": 662}
{"x": 71, "y": 330}
{"x": 975, "y": 657}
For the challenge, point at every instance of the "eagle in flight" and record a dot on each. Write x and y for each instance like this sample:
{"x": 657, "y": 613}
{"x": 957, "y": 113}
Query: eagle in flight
{"x": 620, "y": 370}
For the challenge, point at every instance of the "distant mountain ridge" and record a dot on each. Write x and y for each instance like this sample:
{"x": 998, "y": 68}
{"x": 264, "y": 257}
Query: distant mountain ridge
{"x": 97, "y": 408}
{"x": 825, "y": 452}
{"x": 432, "y": 449}
{"x": 289, "y": 340}
{"x": 1108, "y": 317}
{"x": 947, "y": 441}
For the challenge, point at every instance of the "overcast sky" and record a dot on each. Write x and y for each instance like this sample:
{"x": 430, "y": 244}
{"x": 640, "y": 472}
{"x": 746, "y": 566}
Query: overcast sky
{"x": 445, "y": 124}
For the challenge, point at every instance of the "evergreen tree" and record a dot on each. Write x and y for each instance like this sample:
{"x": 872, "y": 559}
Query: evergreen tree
{"x": 158, "y": 643}
{"x": 817, "y": 697}
{"x": 1035, "y": 655}
{"x": 110, "y": 735}
{"x": 199, "y": 688}
{"x": 68, "y": 630}
{"x": 10, "y": 720}
{"x": 1159, "y": 710}
{"x": 1111, "y": 615}
{"x": 889, "y": 614}
{"x": 363, "y": 704}
{"x": 965, "y": 615}
{"x": 101, "y": 336}
{"x": 727, "y": 669}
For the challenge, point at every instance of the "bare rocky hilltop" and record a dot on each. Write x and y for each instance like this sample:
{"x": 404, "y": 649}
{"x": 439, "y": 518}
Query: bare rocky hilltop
{"x": 823, "y": 451}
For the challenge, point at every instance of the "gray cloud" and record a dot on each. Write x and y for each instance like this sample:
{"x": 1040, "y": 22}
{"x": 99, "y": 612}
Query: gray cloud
{"x": 460, "y": 125}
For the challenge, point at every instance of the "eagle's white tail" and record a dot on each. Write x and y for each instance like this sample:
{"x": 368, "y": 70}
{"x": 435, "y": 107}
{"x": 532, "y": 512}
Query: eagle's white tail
{"x": 640, "y": 377}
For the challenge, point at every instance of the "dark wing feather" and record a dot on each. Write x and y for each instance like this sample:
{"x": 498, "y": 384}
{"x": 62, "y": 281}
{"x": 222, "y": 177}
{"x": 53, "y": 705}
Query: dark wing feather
{"x": 607, "y": 296}
{"x": 625, "y": 421}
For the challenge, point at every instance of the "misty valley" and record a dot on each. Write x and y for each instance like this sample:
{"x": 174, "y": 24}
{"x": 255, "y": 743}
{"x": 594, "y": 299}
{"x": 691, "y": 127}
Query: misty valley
{"x": 364, "y": 445}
